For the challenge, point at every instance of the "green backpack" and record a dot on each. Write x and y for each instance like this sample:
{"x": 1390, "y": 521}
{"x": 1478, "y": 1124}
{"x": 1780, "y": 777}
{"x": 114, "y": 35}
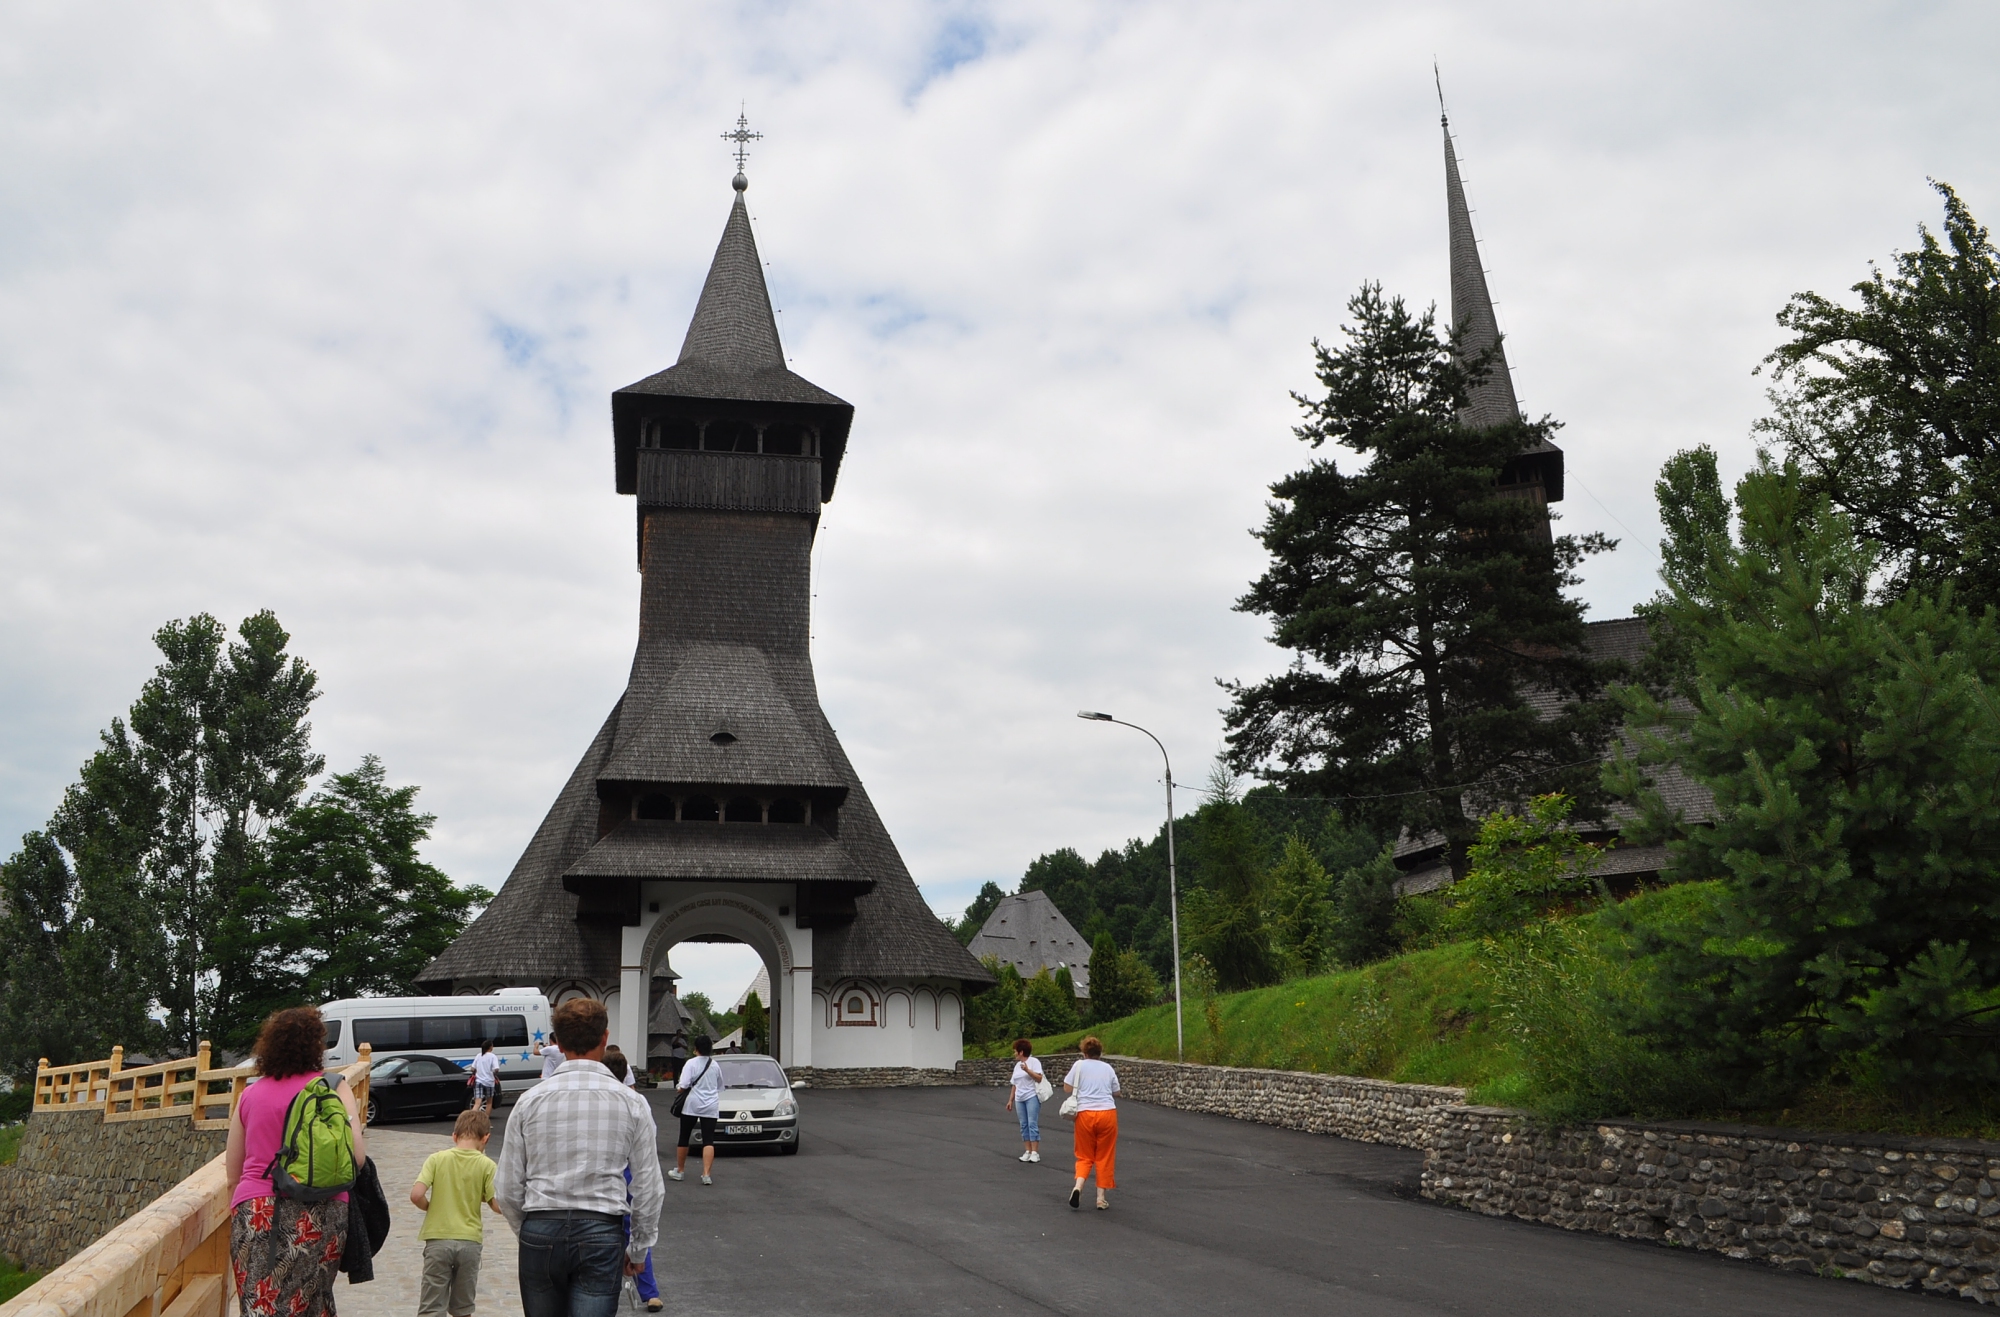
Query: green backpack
{"x": 315, "y": 1157}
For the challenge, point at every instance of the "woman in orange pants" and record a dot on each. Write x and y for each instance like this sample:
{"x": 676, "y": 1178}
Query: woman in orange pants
{"x": 1094, "y": 1082}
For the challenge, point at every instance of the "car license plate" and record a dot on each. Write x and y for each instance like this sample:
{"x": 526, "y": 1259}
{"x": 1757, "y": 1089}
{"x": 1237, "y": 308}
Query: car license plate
{"x": 743, "y": 1129}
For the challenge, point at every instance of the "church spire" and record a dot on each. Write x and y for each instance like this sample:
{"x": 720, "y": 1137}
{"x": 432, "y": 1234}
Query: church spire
{"x": 733, "y": 328}
{"x": 1492, "y": 402}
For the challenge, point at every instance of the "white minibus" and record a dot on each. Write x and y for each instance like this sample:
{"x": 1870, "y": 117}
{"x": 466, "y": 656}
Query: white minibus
{"x": 514, "y": 1020}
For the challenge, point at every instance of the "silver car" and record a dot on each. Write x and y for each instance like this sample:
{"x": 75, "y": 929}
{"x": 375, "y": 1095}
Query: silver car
{"x": 756, "y": 1108}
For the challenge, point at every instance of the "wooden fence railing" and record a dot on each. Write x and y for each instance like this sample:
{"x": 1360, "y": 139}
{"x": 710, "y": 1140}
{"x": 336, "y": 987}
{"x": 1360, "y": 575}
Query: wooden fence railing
{"x": 189, "y": 1086}
{"x": 171, "y": 1258}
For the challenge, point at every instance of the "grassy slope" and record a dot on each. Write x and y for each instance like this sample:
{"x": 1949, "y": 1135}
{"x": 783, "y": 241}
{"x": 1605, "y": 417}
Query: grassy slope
{"x": 1430, "y": 1017}
{"x": 1424, "y": 1018}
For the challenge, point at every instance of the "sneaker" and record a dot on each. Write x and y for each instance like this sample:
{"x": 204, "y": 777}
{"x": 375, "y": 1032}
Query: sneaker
{"x": 706, "y": 1180}
{"x": 674, "y": 1175}
{"x": 1034, "y": 1156}
{"x": 654, "y": 1305}
{"x": 1027, "y": 1156}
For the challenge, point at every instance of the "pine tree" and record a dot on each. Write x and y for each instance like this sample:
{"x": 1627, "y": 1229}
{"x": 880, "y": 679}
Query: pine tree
{"x": 1301, "y": 914}
{"x": 1423, "y": 604}
{"x": 1853, "y": 749}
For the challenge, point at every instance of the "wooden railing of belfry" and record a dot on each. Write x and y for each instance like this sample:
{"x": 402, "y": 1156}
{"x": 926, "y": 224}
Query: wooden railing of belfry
{"x": 171, "y": 1258}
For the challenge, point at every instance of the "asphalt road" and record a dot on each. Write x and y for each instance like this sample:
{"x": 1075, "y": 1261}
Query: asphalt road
{"x": 911, "y": 1201}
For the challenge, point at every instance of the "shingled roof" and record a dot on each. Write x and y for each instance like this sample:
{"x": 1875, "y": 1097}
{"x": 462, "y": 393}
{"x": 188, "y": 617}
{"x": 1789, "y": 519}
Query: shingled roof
{"x": 1492, "y": 401}
{"x": 721, "y": 695}
{"x": 732, "y": 354}
{"x": 1028, "y": 932}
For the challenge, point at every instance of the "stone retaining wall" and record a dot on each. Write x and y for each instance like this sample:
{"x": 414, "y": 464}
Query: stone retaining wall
{"x": 887, "y": 1076}
{"x": 1368, "y": 1110}
{"x": 77, "y": 1177}
{"x": 1905, "y": 1213}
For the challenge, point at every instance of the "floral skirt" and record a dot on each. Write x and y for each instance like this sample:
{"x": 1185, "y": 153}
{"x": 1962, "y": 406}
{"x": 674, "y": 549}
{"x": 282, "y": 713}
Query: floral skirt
{"x": 286, "y": 1255}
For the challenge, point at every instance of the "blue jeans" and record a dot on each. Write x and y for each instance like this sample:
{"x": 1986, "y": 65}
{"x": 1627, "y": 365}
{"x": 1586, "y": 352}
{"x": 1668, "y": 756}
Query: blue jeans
{"x": 571, "y": 1266}
{"x": 1029, "y": 1109}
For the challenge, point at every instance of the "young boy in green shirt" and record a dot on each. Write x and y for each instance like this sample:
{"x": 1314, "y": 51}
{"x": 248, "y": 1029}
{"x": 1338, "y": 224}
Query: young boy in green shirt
{"x": 450, "y": 1189}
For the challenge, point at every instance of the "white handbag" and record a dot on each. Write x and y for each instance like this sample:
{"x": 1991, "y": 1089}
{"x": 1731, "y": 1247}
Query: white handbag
{"x": 1043, "y": 1088}
{"x": 1069, "y": 1108}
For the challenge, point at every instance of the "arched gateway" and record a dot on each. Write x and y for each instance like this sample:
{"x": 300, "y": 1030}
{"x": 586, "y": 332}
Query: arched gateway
{"x": 716, "y": 803}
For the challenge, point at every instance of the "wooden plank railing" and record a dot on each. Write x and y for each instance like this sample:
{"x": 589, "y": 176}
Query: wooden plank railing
{"x": 171, "y": 1258}
{"x": 187, "y": 1086}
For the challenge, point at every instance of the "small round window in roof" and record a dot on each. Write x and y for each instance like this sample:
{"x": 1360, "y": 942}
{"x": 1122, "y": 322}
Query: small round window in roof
{"x": 723, "y": 738}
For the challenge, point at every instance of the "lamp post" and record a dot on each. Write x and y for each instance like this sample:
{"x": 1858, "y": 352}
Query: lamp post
{"x": 1173, "y": 893}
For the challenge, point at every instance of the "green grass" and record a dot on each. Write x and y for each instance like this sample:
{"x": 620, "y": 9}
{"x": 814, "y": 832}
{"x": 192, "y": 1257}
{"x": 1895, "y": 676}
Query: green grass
{"x": 10, "y": 1143}
{"x": 13, "y": 1279}
{"x": 1423, "y": 1018}
{"x": 1432, "y": 1017}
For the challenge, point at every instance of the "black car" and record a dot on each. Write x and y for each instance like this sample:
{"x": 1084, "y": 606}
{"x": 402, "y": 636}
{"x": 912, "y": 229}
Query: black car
{"x": 407, "y": 1086}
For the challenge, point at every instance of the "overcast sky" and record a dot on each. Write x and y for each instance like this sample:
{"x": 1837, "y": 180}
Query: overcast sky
{"x": 317, "y": 308}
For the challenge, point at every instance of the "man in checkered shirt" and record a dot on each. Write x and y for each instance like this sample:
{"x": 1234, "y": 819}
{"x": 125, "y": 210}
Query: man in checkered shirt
{"x": 561, "y": 1182}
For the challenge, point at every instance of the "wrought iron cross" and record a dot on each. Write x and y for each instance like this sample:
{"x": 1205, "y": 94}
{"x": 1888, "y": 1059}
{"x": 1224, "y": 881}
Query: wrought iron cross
{"x": 742, "y": 137}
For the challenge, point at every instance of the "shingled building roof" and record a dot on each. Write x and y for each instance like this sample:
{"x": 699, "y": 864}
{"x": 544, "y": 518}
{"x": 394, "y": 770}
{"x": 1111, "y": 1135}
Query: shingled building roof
{"x": 1028, "y": 932}
{"x": 1492, "y": 401}
{"x": 732, "y": 355}
{"x": 721, "y": 702}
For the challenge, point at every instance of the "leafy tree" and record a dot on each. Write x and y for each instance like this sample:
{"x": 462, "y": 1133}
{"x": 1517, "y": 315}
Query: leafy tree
{"x": 756, "y": 1024}
{"x": 983, "y": 905}
{"x": 697, "y": 1003}
{"x": 1425, "y": 605}
{"x": 1300, "y": 913}
{"x": 1524, "y": 867}
{"x": 222, "y": 737}
{"x": 1046, "y": 1007}
{"x": 1364, "y": 910}
{"x": 181, "y": 875}
{"x": 339, "y": 905}
{"x": 1853, "y": 750}
{"x": 68, "y": 963}
{"x": 1892, "y": 409}
{"x": 1067, "y": 880}
{"x": 1138, "y": 986}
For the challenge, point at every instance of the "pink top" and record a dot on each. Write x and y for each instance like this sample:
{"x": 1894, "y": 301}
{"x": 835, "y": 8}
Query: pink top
{"x": 262, "y": 1110}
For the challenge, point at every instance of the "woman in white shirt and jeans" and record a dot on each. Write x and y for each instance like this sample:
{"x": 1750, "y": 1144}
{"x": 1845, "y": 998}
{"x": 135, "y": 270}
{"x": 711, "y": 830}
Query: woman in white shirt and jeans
{"x": 1025, "y": 1098}
{"x": 1094, "y": 1082}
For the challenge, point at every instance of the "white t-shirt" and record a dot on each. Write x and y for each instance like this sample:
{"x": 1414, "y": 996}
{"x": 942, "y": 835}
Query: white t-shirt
{"x": 704, "y": 1085}
{"x": 1094, "y": 1082}
{"x": 631, "y": 1076}
{"x": 552, "y": 1058}
{"x": 486, "y": 1068}
{"x": 1025, "y": 1080}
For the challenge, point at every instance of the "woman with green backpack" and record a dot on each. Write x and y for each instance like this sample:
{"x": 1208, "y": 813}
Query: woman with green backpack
{"x": 295, "y": 1142}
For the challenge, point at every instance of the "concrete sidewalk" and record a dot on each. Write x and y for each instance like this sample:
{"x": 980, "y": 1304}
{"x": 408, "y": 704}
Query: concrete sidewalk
{"x": 399, "y": 1155}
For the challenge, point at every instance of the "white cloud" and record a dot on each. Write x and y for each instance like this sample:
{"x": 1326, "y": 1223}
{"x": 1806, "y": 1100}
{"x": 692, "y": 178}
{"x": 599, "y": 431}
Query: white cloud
{"x": 318, "y": 309}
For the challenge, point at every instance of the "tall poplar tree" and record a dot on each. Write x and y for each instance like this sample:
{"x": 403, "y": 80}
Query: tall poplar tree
{"x": 1439, "y": 666}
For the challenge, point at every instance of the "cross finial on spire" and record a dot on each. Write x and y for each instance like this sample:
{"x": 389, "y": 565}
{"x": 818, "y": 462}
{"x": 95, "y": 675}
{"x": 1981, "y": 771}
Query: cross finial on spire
{"x": 742, "y": 136}
{"x": 1438, "y": 77}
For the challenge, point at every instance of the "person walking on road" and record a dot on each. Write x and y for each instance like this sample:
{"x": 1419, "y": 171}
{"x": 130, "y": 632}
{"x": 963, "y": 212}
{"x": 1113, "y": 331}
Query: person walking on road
{"x": 1094, "y": 1082}
{"x": 485, "y": 1078}
{"x": 561, "y": 1183}
{"x": 1024, "y": 1099}
{"x": 285, "y": 1251}
{"x": 704, "y": 1100}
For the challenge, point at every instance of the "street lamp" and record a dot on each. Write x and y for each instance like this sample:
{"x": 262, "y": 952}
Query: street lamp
{"x": 1173, "y": 894}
